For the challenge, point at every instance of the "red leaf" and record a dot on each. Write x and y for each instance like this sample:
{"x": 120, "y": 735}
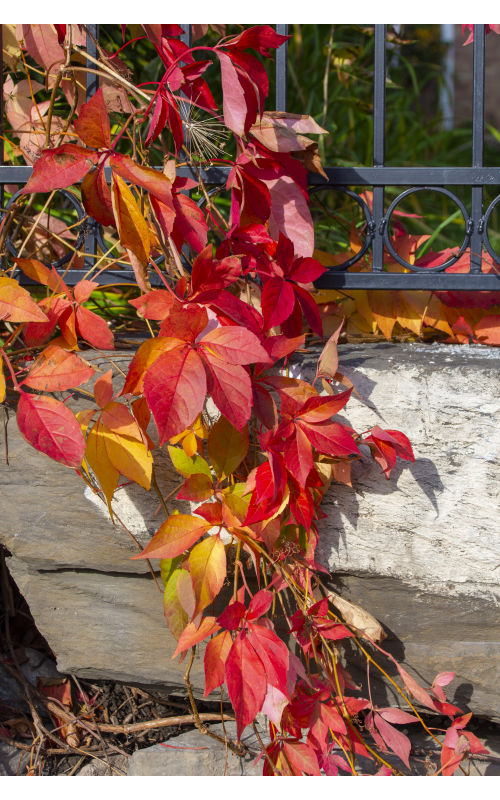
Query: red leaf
{"x": 234, "y": 100}
{"x": 59, "y": 168}
{"x": 397, "y": 716}
{"x": 94, "y": 329}
{"x": 92, "y": 125}
{"x": 231, "y": 616}
{"x": 235, "y": 345}
{"x": 278, "y": 300}
{"x": 329, "y": 438}
{"x": 246, "y": 682}
{"x": 415, "y": 689}
{"x": 190, "y": 225}
{"x": 51, "y": 428}
{"x": 298, "y": 456}
{"x": 56, "y": 370}
{"x": 444, "y": 678}
{"x": 310, "y": 310}
{"x": 216, "y": 654}
{"x": 155, "y": 182}
{"x": 394, "y": 739}
{"x": 320, "y": 409}
{"x": 175, "y": 388}
{"x": 96, "y": 197}
{"x": 290, "y": 215}
{"x": 259, "y": 604}
{"x": 274, "y": 655}
{"x": 158, "y": 119}
{"x": 301, "y": 757}
{"x": 231, "y": 390}
{"x": 259, "y": 37}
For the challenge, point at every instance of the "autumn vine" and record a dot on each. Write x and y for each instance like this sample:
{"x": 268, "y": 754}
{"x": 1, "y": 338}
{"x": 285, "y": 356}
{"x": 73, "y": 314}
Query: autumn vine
{"x": 224, "y": 293}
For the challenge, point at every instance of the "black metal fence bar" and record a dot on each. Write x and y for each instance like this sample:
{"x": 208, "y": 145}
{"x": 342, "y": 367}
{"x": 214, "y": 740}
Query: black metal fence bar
{"x": 378, "y": 146}
{"x": 477, "y": 146}
{"x": 91, "y": 86}
{"x": 378, "y": 176}
{"x": 281, "y": 71}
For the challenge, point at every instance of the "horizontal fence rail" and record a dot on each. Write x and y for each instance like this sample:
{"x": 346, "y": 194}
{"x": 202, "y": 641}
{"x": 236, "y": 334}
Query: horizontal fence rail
{"x": 346, "y": 179}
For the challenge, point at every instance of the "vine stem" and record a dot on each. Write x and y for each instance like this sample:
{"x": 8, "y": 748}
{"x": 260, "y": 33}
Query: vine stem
{"x": 236, "y": 747}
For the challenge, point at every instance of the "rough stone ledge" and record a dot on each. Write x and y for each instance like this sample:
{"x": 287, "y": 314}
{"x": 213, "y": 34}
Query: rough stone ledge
{"x": 421, "y": 551}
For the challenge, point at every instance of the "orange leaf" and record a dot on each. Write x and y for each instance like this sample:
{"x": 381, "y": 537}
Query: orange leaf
{"x": 16, "y": 304}
{"x": 488, "y": 329}
{"x": 38, "y": 272}
{"x": 192, "y": 634}
{"x": 207, "y": 565}
{"x": 146, "y": 355}
{"x": 178, "y": 533}
{"x": 92, "y": 125}
{"x": 155, "y": 182}
{"x": 57, "y": 369}
{"x": 382, "y": 306}
{"x": 103, "y": 389}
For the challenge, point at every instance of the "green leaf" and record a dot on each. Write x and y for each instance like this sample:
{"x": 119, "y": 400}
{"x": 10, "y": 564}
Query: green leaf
{"x": 188, "y": 465}
{"x": 227, "y": 447}
{"x": 175, "y": 615}
{"x": 168, "y": 566}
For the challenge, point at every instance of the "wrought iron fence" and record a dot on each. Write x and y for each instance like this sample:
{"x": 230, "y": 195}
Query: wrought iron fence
{"x": 377, "y": 177}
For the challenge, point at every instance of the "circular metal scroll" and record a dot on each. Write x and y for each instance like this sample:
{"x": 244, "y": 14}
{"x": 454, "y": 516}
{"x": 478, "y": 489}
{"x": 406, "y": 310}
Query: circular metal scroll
{"x": 369, "y": 221}
{"x": 81, "y": 232}
{"x": 450, "y": 261}
{"x": 486, "y": 239}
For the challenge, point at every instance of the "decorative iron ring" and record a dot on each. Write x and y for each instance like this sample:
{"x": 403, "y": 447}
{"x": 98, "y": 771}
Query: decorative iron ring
{"x": 369, "y": 221}
{"x": 486, "y": 238}
{"x": 81, "y": 232}
{"x": 450, "y": 261}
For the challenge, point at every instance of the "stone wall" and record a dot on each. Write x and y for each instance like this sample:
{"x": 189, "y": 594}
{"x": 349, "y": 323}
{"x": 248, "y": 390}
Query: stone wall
{"x": 421, "y": 551}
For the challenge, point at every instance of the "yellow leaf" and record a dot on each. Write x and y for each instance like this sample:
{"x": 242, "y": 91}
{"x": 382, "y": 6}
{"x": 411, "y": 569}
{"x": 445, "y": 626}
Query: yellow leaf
{"x": 189, "y": 444}
{"x": 382, "y": 306}
{"x": 132, "y": 227}
{"x": 207, "y": 565}
{"x": 407, "y": 316}
{"x": 130, "y": 456}
{"x": 97, "y": 458}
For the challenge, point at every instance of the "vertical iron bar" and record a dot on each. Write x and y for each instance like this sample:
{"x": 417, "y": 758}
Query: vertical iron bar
{"x": 281, "y": 70}
{"x": 187, "y": 35}
{"x": 91, "y": 85}
{"x": 379, "y": 143}
{"x": 477, "y": 145}
{"x": 1, "y": 117}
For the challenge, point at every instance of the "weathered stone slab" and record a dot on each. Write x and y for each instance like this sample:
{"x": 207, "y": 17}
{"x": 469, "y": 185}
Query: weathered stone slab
{"x": 105, "y": 625}
{"x": 198, "y": 755}
{"x": 421, "y": 551}
{"x": 434, "y": 524}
